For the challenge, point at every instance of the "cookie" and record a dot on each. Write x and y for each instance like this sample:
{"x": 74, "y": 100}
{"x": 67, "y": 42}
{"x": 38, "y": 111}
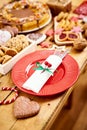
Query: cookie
{"x": 24, "y": 107}
{"x": 80, "y": 44}
{"x": 1, "y": 59}
{"x": 1, "y": 53}
{"x": 18, "y": 43}
{"x": 11, "y": 52}
{"x": 6, "y": 58}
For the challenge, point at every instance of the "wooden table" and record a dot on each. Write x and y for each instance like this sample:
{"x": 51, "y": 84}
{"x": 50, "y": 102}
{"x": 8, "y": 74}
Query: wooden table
{"x": 50, "y": 106}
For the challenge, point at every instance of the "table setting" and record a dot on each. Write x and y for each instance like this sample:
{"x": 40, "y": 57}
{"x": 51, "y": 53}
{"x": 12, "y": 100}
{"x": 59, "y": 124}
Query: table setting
{"x": 44, "y": 63}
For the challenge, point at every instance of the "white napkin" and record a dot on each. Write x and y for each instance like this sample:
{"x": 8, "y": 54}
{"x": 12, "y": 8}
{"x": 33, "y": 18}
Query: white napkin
{"x": 37, "y": 80}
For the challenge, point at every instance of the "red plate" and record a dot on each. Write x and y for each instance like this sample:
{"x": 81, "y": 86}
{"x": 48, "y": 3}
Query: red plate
{"x": 65, "y": 76}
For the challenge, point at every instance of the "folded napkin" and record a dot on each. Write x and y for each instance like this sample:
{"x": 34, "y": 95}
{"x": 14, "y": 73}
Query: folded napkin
{"x": 37, "y": 80}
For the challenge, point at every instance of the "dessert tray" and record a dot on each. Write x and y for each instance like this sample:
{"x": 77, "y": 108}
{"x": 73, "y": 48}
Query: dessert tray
{"x": 13, "y": 50}
{"x": 65, "y": 76}
{"x": 67, "y": 28}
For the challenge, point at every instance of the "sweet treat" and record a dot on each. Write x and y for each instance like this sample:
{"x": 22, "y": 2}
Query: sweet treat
{"x": 18, "y": 43}
{"x": 1, "y": 59}
{"x": 67, "y": 36}
{"x": 12, "y": 30}
{"x": 24, "y": 107}
{"x": 3, "y": 48}
{"x": 1, "y": 53}
{"x": 67, "y": 28}
{"x": 13, "y": 46}
{"x": 60, "y": 16}
{"x": 11, "y": 52}
{"x": 68, "y": 21}
{"x": 57, "y": 6}
{"x": 80, "y": 44}
{"x": 84, "y": 28}
{"x": 48, "y": 43}
{"x": 36, "y": 37}
{"x": 62, "y": 37}
{"x": 3, "y": 102}
{"x": 3, "y": 56}
{"x": 25, "y": 15}
{"x": 6, "y": 58}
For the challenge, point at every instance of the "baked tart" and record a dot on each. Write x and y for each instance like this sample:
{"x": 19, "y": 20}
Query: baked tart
{"x": 25, "y": 15}
{"x": 68, "y": 36}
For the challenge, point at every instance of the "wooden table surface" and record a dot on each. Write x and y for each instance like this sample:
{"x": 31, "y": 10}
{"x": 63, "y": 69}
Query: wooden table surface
{"x": 50, "y": 106}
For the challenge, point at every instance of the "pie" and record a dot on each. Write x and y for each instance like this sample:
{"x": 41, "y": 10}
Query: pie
{"x": 25, "y": 15}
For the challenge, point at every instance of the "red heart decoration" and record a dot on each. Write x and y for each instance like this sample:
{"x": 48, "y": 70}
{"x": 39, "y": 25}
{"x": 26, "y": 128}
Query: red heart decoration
{"x": 24, "y": 107}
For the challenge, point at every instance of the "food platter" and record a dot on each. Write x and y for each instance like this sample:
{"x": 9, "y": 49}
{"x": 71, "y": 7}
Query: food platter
{"x": 27, "y": 16}
{"x": 67, "y": 28}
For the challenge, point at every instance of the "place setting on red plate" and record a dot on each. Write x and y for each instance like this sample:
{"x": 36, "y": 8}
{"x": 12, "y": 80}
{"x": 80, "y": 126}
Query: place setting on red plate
{"x": 45, "y": 72}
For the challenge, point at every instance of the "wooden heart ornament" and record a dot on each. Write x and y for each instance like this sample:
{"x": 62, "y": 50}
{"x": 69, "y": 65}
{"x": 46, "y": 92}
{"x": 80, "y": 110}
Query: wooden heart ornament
{"x": 24, "y": 107}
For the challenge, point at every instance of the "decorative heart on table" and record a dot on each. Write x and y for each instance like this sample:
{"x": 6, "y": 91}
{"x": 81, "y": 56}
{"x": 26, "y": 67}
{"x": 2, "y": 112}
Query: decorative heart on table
{"x": 24, "y": 107}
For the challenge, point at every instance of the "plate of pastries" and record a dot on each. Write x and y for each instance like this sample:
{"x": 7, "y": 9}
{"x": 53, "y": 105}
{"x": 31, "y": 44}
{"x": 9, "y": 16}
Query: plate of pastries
{"x": 67, "y": 27}
{"x": 26, "y": 15}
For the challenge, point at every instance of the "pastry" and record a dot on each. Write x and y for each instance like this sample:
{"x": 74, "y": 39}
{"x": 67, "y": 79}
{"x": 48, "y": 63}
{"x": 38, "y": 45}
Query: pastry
{"x": 64, "y": 36}
{"x": 18, "y": 43}
{"x": 80, "y": 44}
{"x": 67, "y": 28}
{"x": 6, "y": 58}
{"x": 1, "y": 59}
{"x": 25, "y": 15}
{"x": 1, "y": 53}
{"x": 12, "y": 47}
{"x": 13, "y": 30}
{"x": 24, "y": 107}
{"x": 11, "y": 52}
